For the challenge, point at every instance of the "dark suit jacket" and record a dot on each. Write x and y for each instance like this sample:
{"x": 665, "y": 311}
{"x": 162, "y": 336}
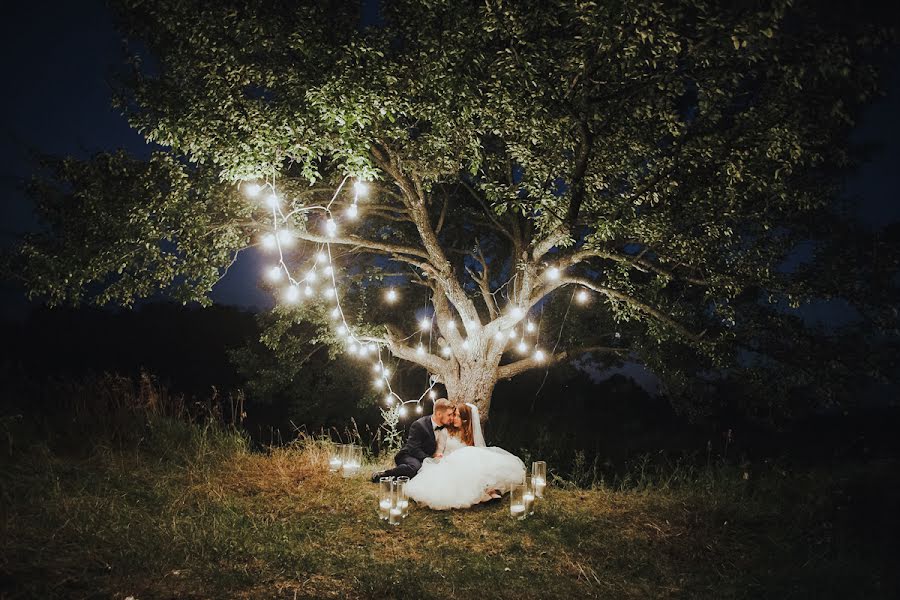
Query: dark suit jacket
{"x": 421, "y": 442}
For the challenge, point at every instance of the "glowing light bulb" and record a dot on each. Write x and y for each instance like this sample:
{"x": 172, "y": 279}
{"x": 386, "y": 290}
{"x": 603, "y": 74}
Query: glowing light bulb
{"x": 516, "y": 312}
{"x": 386, "y": 373}
{"x": 329, "y": 292}
{"x": 352, "y": 211}
{"x": 446, "y": 351}
{"x": 432, "y": 394}
{"x": 418, "y": 409}
{"x": 275, "y": 273}
{"x": 269, "y": 242}
{"x": 252, "y": 189}
{"x": 499, "y": 335}
{"x": 425, "y": 324}
{"x": 539, "y": 355}
{"x": 308, "y": 291}
{"x": 321, "y": 257}
{"x": 311, "y": 275}
{"x": 371, "y": 347}
{"x": 465, "y": 344}
{"x": 336, "y": 313}
{"x": 273, "y": 202}
{"x": 292, "y": 294}
{"x": 451, "y": 324}
{"x": 379, "y": 383}
{"x": 286, "y": 237}
{"x": 391, "y": 295}
{"x": 552, "y": 273}
{"x": 353, "y": 348}
{"x": 512, "y": 334}
{"x": 389, "y": 400}
{"x": 330, "y": 227}
{"x": 360, "y": 188}
{"x": 376, "y": 367}
{"x": 522, "y": 347}
{"x": 581, "y": 296}
{"x": 420, "y": 350}
{"x": 402, "y": 411}
{"x": 341, "y": 330}
{"x": 529, "y": 327}
{"x": 329, "y": 270}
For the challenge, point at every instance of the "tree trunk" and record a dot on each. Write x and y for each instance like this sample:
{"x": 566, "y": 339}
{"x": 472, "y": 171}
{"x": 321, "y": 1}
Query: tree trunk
{"x": 473, "y": 383}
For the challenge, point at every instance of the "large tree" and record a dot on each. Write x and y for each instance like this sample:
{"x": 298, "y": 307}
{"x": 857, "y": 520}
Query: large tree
{"x": 667, "y": 159}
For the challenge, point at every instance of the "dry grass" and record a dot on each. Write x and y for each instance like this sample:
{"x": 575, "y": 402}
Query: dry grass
{"x": 214, "y": 520}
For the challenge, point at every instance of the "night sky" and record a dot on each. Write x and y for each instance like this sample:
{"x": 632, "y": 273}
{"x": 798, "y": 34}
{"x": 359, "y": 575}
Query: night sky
{"x": 56, "y": 62}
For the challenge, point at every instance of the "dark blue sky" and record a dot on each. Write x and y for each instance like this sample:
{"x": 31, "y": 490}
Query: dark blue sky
{"x": 56, "y": 61}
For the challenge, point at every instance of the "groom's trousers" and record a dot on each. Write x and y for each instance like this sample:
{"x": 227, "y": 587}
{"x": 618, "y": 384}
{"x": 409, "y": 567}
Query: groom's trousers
{"x": 406, "y": 465}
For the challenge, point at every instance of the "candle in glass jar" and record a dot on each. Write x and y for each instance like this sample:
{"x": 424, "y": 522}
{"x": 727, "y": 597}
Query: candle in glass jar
{"x": 404, "y": 507}
{"x": 529, "y": 502}
{"x": 334, "y": 464}
{"x": 539, "y": 485}
{"x": 384, "y": 508}
{"x": 517, "y": 511}
{"x": 350, "y": 469}
{"x": 395, "y": 515}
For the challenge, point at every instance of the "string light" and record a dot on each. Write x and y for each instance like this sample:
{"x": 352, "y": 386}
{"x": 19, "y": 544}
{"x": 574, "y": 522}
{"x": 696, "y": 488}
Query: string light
{"x": 269, "y": 242}
{"x": 286, "y": 237}
{"x": 336, "y": 313}
{"x": 376, "y": 367}
{"x": 321, "y": 257}
{"x": 418, "y": 409}
{"x": 275, "y": 273}
{"x": 425, "y": 324}
{"x": 311, "y": 275}
{"x": 389, "y": 400}
{"x": 451, "y": 324}
{"x": 329, "y": 270}
{"x": 420, "y": 350}
{"x": 539, "y": 355}
{"x": 529, "y": 327}
{"x": 308, "y": 291}
{"x": 516, "y": 312}
{"x": 252, "y": 189}
{"x": 273, "y": 202}
{"x": 499, "y": 335}
{"x": 360, "y": 188}
{"x": 391, "y": 295}
{"x": 341, "y": 330}
{"x": 581, "y": 296}
{"x": 331, "y": 227}
{"x": 292, "y": 294}
{"x": 512, "y": 334}
{"x": 522, "y": 347}
{"x": 379, "y": 383}
{"x": 386, "y": 373}
{"x": 402, "y": 411}
{"x": 352, "y": 211}
{"x": 552, "y": 273}
{"x": 446, "y": 351}
{"x": 432, "y": 394}
{"x": 465, "y": 344}
{"x": 353, "y": 348}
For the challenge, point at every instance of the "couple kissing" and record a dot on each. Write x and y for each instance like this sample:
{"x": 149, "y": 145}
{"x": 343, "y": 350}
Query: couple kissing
{"x": 448, "y": 462}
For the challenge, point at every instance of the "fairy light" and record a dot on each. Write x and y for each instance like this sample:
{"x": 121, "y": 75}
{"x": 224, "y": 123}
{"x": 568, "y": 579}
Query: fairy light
{"x": 446, "y": 351}
{"x": 376, "y": 367}
{"x": 389, "y": 400}
{"x": 386, "y": 373}
{"x": 516, "y": 312}
{"x": 360, "y": 188}
{"x": 420, "y": 350}
{"x": 308, "y": 291}
{"x": 352, "y": 211}
{"x": 335, "y": 313}
{"x": 418, "y": 409}
{"x": 292, "y": 294}
{"x": 329, "y": 270}
{"x": 512, "y": 334}
{"x": 353, "y": 349}
{"x": 499, "y": 335}
{"x": 391, "y": 295}
{"x": 285, "y": 237}
{"x": 378, "y": 383}
{"x": 581, "y": 296}
{"x": 273, "y": 202}
{"x": 275, "y": 273}
{"x": 329, "y": 292}
{"x": 432, "y": 394}
{"x": 451, "y": 324}
{"x": 341, "y": 330}
{"x": 252, "y": 189}
{"x": 269, "y": 242}
{"x": 552, "y": 273}
{"x": 465, "y": 344}
{"x": 331, "y": 227}
{"x": 522, "y": 347}
{"x": 539, "y": 355}
{"x": 311, "y": 275}
{"x": 425, "y": 324}
{"x": 529, "y": 327}
{"x": 402, "y": 411}
{"x": 321, "y": 257}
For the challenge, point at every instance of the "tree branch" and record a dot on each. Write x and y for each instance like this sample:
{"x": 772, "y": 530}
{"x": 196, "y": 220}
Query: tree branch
{"x": 520, "y": 366}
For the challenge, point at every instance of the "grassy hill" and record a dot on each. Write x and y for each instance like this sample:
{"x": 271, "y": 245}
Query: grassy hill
{"x": 185, "y": 511}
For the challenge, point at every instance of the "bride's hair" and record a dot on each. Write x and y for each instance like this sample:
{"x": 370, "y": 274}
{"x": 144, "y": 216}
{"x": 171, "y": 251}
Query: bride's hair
{"x": 465, "y": 429}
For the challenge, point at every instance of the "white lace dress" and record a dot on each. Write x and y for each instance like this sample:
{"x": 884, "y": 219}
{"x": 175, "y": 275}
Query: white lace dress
{"x": 460, "y": 479}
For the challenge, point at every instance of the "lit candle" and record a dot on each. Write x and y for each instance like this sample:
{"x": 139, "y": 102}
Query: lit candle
{"x": 384, "y": 509}
{"x": 334, "y": 464}
{"x": 395, "y": 515}
{"x": 529, "y": 502}
{"x": 517, "y": 511}
{"x": 351, "y": 469}
{"x": 539, "y": 485}
{"x": 404, "y": 507}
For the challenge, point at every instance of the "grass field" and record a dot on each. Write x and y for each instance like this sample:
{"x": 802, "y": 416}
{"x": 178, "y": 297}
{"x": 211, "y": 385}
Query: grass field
{"x": 189, "y": 512}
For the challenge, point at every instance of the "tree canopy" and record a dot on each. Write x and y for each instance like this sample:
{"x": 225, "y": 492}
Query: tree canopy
{"x": 670, "y": 159}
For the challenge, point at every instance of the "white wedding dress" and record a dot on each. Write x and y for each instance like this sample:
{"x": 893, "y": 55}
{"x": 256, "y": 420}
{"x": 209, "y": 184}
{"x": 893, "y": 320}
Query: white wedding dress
{"x": 461, "y": 478}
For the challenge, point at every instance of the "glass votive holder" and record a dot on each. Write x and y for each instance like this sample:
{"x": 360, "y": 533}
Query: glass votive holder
{"x": 395, "y": 514}
{"x": 517, "y": 508}
{"x": 403, "y": 500}
{"x": 336, "y": 458}
{"x": 539, "y": 478}
{"x": 529, "y": 496}
{"x": 352, "y": 460}
{"x": 385, "y": 497}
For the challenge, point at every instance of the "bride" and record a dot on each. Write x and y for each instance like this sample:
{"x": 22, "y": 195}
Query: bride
{"x": 468, "y": 472}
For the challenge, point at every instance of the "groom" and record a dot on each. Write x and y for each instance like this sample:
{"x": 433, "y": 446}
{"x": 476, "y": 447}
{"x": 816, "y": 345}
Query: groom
{"x": 422, "y": 442}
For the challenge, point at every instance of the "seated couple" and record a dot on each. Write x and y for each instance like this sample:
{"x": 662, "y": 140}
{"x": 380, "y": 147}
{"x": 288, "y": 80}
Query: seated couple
{"x": 447, "y": 461}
